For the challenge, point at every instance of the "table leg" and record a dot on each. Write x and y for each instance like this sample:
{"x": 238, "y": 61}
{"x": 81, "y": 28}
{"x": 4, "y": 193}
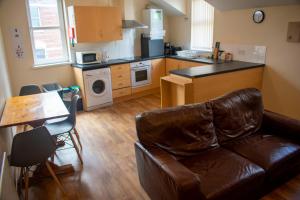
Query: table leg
{"x": 37, "y": 123}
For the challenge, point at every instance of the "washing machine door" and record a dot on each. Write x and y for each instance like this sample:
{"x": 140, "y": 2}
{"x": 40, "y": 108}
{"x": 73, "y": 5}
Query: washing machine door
{"x": 98, "y": 87}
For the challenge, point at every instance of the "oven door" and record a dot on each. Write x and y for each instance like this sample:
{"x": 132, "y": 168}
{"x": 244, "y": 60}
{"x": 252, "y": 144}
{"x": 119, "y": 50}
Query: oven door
{"x": 140, "y": 76}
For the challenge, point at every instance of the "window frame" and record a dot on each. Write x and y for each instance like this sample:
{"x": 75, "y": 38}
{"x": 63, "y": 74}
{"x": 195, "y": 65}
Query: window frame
{"x": 210, "y": 49}
{"x": 38, "y": 13}
{"x": 63, "y": 34}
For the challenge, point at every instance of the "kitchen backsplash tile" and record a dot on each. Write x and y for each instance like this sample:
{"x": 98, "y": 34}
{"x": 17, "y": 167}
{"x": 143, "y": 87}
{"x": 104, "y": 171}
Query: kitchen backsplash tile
{"x": 115, "y": 49}
{"x": 247, "y": 53}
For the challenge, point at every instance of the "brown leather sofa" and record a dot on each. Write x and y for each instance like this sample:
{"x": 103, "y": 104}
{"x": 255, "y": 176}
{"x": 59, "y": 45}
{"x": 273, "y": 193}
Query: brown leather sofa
{"x": 228, "y": 148}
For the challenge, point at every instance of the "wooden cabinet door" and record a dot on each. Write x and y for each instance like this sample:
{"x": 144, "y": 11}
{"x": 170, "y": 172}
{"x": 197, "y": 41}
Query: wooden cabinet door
{"x": 188, "y": 64}
{"x": 86, "y": 23}
{"x": 158, "y": 71}
{"x": 171, "y": 64}
{"x": 110, "y": 23}
{"x": 96, "y": 24}
{"x": 120, "y": 76}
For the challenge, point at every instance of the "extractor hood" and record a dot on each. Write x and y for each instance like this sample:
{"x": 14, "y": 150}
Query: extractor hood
{"x": 130, "y": 18}
{"x": 132, "y": 24}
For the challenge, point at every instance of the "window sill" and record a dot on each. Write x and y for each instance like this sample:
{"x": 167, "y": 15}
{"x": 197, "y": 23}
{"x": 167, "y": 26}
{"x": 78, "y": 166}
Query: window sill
{"x": 203, "y": 50}
{"x": 60, "y": 64}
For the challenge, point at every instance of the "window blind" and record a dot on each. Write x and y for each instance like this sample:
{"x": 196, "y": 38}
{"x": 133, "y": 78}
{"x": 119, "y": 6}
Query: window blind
{"x": 202, "y": 25}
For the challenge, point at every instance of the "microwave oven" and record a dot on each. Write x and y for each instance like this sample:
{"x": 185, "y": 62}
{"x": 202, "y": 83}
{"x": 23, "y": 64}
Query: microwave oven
{"x": 88, "y": 57}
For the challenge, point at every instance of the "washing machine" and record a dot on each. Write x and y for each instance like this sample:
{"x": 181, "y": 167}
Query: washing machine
{"x": 98, "y": 89}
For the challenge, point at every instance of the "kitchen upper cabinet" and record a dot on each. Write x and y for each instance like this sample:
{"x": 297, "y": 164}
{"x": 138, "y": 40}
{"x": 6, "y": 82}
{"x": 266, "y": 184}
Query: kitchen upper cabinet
{"x": 95, "y": 24}
{"x": 158, "y": 71}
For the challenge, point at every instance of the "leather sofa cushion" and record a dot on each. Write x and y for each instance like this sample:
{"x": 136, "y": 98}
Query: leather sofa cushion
{"x": 224, "y": 174}
{"x": 237, "y": 114}
{"x": 182, "y": 131}
{"x": 276, "y": 155}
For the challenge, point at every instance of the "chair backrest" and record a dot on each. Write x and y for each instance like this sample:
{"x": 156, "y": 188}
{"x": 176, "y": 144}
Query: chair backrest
{"x": 31, "y": 147}
{"x": 73, "y": 110}
{"x": 75, "y": 91}
{"x": 29, "y": 89}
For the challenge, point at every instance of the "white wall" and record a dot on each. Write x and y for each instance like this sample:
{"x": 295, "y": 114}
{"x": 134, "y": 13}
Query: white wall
{"x": 5, "y": 134}
{"x": 172, "y": 7}
{"x": 180, "y": 28}
{"x": 8, "y": 191}
{"x": 178, "y": 4}
{"x": 281, "y": 82}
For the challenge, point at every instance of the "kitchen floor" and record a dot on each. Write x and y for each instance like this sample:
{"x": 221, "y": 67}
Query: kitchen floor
{"x": 109, "y": 171}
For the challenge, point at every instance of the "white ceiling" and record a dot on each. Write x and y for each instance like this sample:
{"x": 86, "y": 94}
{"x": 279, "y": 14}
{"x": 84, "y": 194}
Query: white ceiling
{"x": 168, "y": 8}
{"x": 243, "y": 4}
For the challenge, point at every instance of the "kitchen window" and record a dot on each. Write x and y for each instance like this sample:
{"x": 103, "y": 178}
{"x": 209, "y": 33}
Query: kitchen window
{"x": 48, "y": 32}
{"x": 202, "y": 25}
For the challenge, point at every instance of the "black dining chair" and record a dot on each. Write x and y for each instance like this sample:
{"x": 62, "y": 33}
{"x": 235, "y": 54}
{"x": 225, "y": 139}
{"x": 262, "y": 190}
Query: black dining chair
{"x": 62, "y": 130}
{"x": 32, "y": 148}
{"x": 29, "y": 89}
{"x": 73, "y": 93}
{"x": 51, "y": 121}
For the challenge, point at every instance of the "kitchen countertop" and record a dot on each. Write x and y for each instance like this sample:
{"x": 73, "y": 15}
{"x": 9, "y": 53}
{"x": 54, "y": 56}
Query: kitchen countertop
{"x": 111, "y": 62}
{"x": 85, "y": 67}
{"x": 199, "y": 60}
{"x": 215, "y": 68}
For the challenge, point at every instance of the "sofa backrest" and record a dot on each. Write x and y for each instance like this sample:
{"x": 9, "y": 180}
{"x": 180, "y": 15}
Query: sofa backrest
{"x": 182, "y": 131}
{"x": 237, "y": 114}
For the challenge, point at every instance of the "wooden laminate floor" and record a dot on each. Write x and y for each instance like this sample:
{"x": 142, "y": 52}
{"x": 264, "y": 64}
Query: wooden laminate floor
{"x": 109, "y": 170}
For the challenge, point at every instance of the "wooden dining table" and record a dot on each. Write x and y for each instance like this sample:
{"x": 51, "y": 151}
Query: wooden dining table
{"x": 35, "y": 110}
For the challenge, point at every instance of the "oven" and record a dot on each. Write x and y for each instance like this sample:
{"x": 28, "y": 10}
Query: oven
{"x": 140, "y": 73}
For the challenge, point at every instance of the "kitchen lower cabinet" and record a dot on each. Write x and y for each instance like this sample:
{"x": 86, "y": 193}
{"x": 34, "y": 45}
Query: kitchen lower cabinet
{"x": 120, "y": 80}
{"x": 158, "y": 71}
{"x": 120, "y": 76}
{"x": 173, "y": 64}
{"x": 121, "y": 92}
{"x": 187, "y": 64}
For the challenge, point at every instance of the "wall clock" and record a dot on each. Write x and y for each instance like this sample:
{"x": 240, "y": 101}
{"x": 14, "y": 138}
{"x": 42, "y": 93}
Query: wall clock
{"x": 258, "y": 16}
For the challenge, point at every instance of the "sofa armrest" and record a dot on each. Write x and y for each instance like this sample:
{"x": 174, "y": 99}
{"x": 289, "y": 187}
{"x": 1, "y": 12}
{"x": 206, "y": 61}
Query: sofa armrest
{"x": 281, "y": 125}
{"x": 163, "y": 177}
